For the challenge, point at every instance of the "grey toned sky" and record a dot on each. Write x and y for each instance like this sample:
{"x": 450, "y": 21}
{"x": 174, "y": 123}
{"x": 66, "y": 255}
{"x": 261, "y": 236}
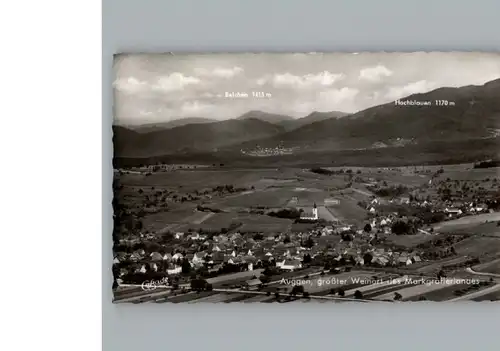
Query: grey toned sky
{"x": 160, "y": 87}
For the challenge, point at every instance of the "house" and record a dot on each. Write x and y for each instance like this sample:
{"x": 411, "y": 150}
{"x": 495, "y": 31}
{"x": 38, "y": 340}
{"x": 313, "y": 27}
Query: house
{"x": 199, "y": 257}
{"x": 380, "y": 260}
{"x": 416, "y": 259}
{"x": 372, "y": 210}
{"x": 177, "y": 256}
{"x": 179, "y": 235}
{"x": 135, "y": 257}
{"x": 218, "y": 247}
{"x": 174, "y": 270}
{"x": 289, "y": 265}
{"x": 235, "y": 260}
{"x": 167, "y": 257}
{"x": 404, "y": 200}
{"x": 253, "y": 284}
{"x": 331, "y": 202}
{"x": 453, "y": 211}
{"x": 194, "y": 236}
{"x": 116, "y": 260}
{"x": 404, "y": 260}
{"x": 156, "y": 256}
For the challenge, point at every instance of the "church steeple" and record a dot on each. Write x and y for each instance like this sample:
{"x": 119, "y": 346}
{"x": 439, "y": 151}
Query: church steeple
{"x": 314, "y": 205}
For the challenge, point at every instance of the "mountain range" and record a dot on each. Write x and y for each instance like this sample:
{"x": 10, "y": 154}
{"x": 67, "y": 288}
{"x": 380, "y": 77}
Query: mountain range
{"x": 469, "y": 112}
{"x": 151, "y": 127}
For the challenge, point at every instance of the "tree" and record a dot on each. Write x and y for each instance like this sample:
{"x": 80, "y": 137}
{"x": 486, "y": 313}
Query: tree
{"x": 309, "y": 242}
{"x": 185, "y": 266}
{"x": 198, "y": 284}
{"x": 400, "y": 228}
{"x": 286, "y": 240}
{"x": 305, "y": 294}
{"x": 341, "y": 292}
{"x": 358, "y": 295}
{"x": 367, "y": 258}
{"x": 307, "y": 258}
{"x": 297, "y": 289}
{"x": 367, "y": 228}
{"x": 397, "y": 296}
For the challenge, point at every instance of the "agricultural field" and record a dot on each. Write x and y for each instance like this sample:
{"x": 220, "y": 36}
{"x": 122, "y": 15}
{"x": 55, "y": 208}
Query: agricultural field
{"x": 489, "y": 267}
{"x": 408, "y": 241}
{"x": 161, "y": 220}
{"x": 478, "y": 174}
{"x": 478, "y": 246}
{"x": 481, "y": 229}
{"x": 467, "y": 222}
{"x": 270, "y": 198}
{"x": 493, "y": 296}
{"x": 349, "y": 211}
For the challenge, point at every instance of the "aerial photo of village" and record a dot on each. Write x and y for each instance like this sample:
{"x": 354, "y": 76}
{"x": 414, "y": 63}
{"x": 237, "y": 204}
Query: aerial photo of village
{"x": 306, "y": 178}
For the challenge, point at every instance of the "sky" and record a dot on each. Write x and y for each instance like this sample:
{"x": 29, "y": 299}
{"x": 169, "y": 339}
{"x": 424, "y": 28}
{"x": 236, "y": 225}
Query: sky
{"x": 153, "y": 88}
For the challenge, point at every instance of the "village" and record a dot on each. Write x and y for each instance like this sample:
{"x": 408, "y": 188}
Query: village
{"x": 400, "y": 234}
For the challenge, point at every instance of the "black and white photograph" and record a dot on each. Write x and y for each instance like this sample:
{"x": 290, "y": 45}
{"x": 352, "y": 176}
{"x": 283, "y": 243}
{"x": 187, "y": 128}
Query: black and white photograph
{"x": 306, "y": 177}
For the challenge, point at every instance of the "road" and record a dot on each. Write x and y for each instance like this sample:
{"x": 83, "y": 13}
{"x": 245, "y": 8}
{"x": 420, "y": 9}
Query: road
{"x": 470, "y": 270}
{"x": 342, "y": 299}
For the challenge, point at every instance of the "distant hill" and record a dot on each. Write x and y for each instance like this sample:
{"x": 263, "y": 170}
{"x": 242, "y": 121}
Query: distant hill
{"x": 472, "y": 112}
{"x": 151, "y": 127}
{"x": 266, "y": 117}
{"x": 311, "y": 118}
{"x": 190, "y": 138}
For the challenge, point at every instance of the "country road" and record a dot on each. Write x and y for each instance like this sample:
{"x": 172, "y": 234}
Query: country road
{"x": 342, "y": 299}
{"x": 485, "y": 274}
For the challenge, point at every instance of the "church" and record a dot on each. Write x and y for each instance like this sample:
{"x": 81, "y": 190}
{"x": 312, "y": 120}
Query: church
{"x": 310, "y": 216}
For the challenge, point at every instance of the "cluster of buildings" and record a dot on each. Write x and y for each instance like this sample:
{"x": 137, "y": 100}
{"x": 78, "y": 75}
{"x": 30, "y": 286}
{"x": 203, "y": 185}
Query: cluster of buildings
{"x": 268, "y": 151}
{"x": 286, "y": 251}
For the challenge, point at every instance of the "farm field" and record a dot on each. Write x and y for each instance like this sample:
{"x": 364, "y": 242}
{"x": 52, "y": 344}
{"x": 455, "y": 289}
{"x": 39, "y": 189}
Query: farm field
{"x": 240, "y": 276}
{"x": 480, "y": 229}
{"x": 409, "y": 241}
{"x": 435, "y": 266}
{"x": 445, "y": 293}
{"x": 473, "y": 174}
{"x": 349, "y": 212}
{"x": 410, "y": 291}
{"x": 467, "y": 221}
{"x": 494, "y": 296}
{"x": 478, "y": 246}
{"x": 489, "y": 267}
